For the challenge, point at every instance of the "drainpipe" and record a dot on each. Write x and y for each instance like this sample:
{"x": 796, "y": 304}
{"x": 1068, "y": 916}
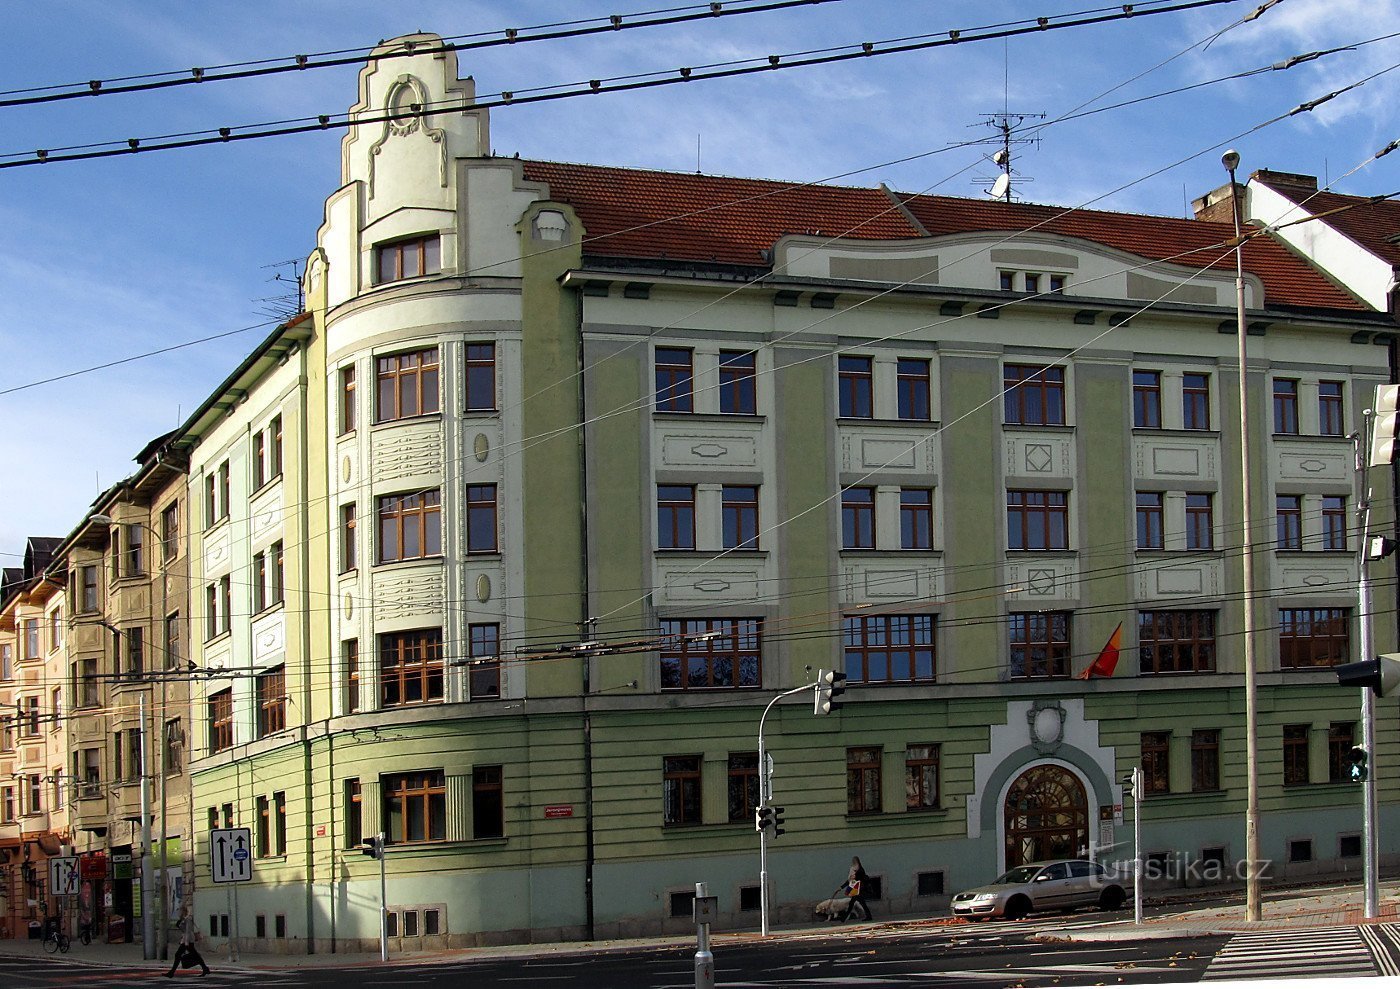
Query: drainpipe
{"x": 588, "y": 848}
{"x": 308, "y": 817}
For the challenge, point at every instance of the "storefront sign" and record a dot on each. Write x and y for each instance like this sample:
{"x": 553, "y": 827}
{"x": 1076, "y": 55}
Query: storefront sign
{"x": 93, "y": 866}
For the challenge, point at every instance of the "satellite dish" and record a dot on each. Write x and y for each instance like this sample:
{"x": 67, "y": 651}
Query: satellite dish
{"x": 1000, "y": 186}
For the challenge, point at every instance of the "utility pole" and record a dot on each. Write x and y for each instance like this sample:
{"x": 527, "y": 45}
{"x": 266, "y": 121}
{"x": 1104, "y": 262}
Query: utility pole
{"x": 148, "y": 925}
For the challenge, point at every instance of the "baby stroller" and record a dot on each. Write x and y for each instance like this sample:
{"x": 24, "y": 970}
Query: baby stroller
{"x": 834, "y": 907}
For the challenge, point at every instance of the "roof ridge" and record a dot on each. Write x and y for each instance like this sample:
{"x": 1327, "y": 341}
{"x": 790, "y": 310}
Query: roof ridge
{"x": 794, "y": 183}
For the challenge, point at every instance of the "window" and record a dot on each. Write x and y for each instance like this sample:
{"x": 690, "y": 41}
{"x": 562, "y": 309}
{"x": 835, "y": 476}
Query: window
{"x": 1289, "y": 515}
{"x": 1200, "y": 522}
{"x": 913, "y": 389}
{"x": 1295, "y": 754}
{"x": 354, "y": 816}
{"x": 484, "y": 648}
{"x": 1300, "y": 850}
{"x": 29, "y": 720}
{"x": 1205, "y": 760}
{"x": 1176, "y": 641}
{"x": 259, "y": 459}
{"x": 488, "y": 803}
{"x": 1147, "y": 399}
{"x": 31, "y": 638}
{"x": 680, "y": 790}
{"x": 277, "y": 573}
{"x": 1037, "y": 520}
{"x": 347, "y": 399}
{"x": 1195, "y": 401}
{"x": 863, "y": 781}
{"x": 1313, "y": 637}
{"x": 743, "y": 785}
{"x": 264, "y": 829}
{"x": 1329, "y": 408}
{"x": 675, "y": 516}
{"x": 274, "y": 448}
{"x": 481, "y": 519}
{"x": 7, "y": 662}
{"x": 36, "y": 794}
{"x": 8, "y": 809}
{"x": 170, "y": 532}
{"x": 134, "y": 560}
{"x": 218, "y": 601}
{"x": 481, "y": 377}
{"x": 1348, "y": 846}
{"x": 1057, "y": 284}
{"x": 931, "y": 883}
{"x": 55, "y": 629}
{"x": 921, "y": 777}
{"x": 87, "y": 577}
{"x": 738, "y": 383}
{"x": 408, "y": 384}
{"x": 1334, "y": 523}
{"x": 740, "y": 516}
{"x": 1285, "y": 406}
{"x": 1033, "y": 395}
{"x": 279, "y": 834}
{"x": 272, "y": 701}
{"x": 915, "y": 518}
{"x": 259, "y": 582}
{"x": 1006, "y": 281}
{"x": 1032, "y": 282}
{"x": 134, "y": 638}
{"x": 408, "y": 258}
{"x": 349, "y": 560}
{"x": 1149, "y": 520}
{"x": 1156, "y": 768}
{"x": 698, "y": 653}
{"x": 1341, "y": 736}
{"x": 7, "y": 733}
{"x": 858, "y": 518}
{"x": 86, "y": 688}
{"x": 221, "y": 720}
{"x": 675, "y": 372}
{"x": 410, "y": 667}
{"x": 410, "y": 526}
{"x": 889, "y": 648}
{"x": 1039, "y": 643}
{"x": 855, "y": 387}
{"x": 415, "y": 806}
{"x": 350, "y": 658}
{"x": 172, "y": 742}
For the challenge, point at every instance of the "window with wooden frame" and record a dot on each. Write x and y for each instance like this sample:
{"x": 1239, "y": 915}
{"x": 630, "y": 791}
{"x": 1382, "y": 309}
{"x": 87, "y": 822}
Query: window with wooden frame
{"x": 1289, "y": 514}
{"x": 913, "y": 389}
{"x": 1285, "y": 407}
{"x": 1341, "y": 737}
{"x": 1176, "y": 642}
{"x": 415, "y": 806}
{"x": 87, "y": 577}
{"x": 259, "y": 582}
{"x": 921, "y": 777}
{"x": 221, "y": 720}
{"x": 134, "y": 560}
{"x": 279, "y": 825}
{"x": 350, "y": 662}
{"x": 263, "y": 838}
{"x": 1195, "y": 401}
{"x": 410, "y": 526}
{"x": 915, "y": 518}
{"x": 488, "y": 802}
{"x": 1037, "y": 520}
{"x": 134, "y": 639}
{"x": 259, "y": 458}
{"x": 1334, "y": 523}
{"x": 407, "y": 384}
{"x": 410, "y": 667}
{"x": 739, "y": 516}
{"x": 743, "y": 785}
{"x": 863, "y": 780}
{"x": 702, "y": 653}
{"x": 738, "y": 379}
{"x": 1295, "y": 754}
{"x": 1310, "y": 637}
{"x": 680, "y": 790}
{"x": 1200, "y": 522}
{"x": 224, "y": 482}
{"x": 1329, "y": 408}
{"x": 855, "y": 387}
{"x": 480, "y": 378}
{"x": 675, "y": 516}
{"x": 858, "y": 518}
{"x": 1205, "y": 760}
{"x": 1033, "y": 395}
{"x": 889, "y": 648}
{"x": 211, "y": 501}
{"x": 1149, "y": 520}
{"x": 1039, "y": 643}
{"x": 1147, "y": 399}
{"x": 170, "y": 531}
{"x": 1156, "y": 762}
{"x": 347, "y": 399}
{"x": 272, "y": 701}
{"x": 277, "y": 573}
{"x": 410, "y": 257}
{"x": 349, "y": 558}
{"x": 274, "y": 448}
{"x": 484, "y": 651}
{"x": 675, "y": 375}
{"x": 354, "y": 814}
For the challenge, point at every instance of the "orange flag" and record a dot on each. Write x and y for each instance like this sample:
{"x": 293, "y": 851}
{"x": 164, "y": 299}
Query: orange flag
{"x": 1107, "y": 660}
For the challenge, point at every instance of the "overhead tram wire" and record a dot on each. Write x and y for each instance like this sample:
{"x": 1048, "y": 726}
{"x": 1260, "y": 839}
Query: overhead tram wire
{"x": 559, "y": 30}
{"x": 683, "y": 75}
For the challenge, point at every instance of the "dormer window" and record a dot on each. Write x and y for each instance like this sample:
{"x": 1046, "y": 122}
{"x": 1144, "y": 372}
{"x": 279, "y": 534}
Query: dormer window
{"x": 408, "y": 258}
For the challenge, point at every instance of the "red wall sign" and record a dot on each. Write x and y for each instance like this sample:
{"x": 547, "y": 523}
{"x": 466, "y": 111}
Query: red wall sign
{"x": 559, "y": 810}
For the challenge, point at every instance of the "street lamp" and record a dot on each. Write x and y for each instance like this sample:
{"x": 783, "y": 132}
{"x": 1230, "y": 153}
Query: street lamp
{"x": 1231, "y": 161}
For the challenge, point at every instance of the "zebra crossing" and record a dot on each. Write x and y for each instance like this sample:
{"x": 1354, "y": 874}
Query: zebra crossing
{"x": 1297, "y": 954}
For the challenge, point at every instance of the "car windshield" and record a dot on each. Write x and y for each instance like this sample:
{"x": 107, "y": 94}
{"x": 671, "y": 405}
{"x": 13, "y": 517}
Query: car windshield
{"x": 1016, "y": 877}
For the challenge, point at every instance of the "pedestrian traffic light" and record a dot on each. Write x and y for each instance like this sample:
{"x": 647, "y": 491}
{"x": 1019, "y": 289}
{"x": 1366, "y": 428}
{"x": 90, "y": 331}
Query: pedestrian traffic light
{"x": 373, "y": 846}
{"x": 777, "y": 819}
{"x": 1129, "y": 785}
{"x": 763, "y": 818}
{"x": 830, "y": 686}
{"x": 1358, "y": 764}
{"x": 1383, "y": 426}
{"x": 1381, "y": 674}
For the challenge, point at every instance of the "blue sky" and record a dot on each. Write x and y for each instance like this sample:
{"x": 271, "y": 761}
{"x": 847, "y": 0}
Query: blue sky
{"x": 108, "y": 259}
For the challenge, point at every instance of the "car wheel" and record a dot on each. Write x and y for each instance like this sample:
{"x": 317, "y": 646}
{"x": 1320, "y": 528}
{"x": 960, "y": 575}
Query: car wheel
{"x": 1017, "y": 908}
{"x": 1112, "y": 898}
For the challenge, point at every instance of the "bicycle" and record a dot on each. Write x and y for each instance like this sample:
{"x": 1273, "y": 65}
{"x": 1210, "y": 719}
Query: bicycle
{"x": 56, "y": 941}
{"x": 85, "y": 933}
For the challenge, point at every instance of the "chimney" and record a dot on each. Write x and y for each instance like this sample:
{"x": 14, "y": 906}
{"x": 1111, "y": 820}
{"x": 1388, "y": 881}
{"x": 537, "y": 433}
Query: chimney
{"x": 1286, "y": 181}
{"x": 1215, "y": 206}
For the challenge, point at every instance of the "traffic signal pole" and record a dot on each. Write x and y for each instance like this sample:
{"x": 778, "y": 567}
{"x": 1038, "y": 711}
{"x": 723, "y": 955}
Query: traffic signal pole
{"x": 765, "y": 795}
{"x": 1370, "y": 859}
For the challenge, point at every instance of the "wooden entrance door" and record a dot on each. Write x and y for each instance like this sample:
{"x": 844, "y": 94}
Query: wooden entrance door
{"x": 1047, "y": 816}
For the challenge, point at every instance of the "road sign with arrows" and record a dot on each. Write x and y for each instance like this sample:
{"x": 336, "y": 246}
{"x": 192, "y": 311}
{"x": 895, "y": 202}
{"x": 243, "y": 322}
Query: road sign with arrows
{"x": 63, "y": 875}
{"x": 230, "y": 855}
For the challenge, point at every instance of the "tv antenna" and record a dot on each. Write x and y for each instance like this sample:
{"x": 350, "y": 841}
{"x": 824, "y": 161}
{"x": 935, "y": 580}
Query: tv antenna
{"x": 1008, "y": 127}
{"x": 290, "y": 303}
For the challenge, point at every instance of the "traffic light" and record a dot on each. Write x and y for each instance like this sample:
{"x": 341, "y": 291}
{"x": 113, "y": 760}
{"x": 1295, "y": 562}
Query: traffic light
{"x": 777, "y": 819}
{"x": 763, "y": 818}
{"x": 1383, "y": 427}
{"x": 1358, "y": 764}
{"x": 373, "y": 846}
{"x": 830, "y": 686}
{"x": 1381, "y": 674}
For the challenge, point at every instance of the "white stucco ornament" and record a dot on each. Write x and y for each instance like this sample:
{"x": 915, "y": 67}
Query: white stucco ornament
{"x": 1047, "y": 725}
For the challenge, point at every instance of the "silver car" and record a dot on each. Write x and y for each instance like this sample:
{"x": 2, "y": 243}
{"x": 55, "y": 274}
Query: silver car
{"x": 1061, "y": 885}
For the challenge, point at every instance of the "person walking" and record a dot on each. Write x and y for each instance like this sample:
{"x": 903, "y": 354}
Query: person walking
{"x": 855, "y": 889}
{"x": 187, "y": 954}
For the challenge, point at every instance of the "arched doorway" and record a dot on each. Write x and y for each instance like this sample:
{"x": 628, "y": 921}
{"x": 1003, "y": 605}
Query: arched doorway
{"x": 1047, "y": 816}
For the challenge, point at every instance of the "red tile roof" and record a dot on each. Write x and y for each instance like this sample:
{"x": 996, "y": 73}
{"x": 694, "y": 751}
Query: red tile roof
{"x": 1372, "y": 225}
{"x": 635, "y": 213}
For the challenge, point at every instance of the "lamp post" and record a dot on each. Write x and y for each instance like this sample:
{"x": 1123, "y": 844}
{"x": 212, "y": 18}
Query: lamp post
{"x": 1231, "y": 160}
